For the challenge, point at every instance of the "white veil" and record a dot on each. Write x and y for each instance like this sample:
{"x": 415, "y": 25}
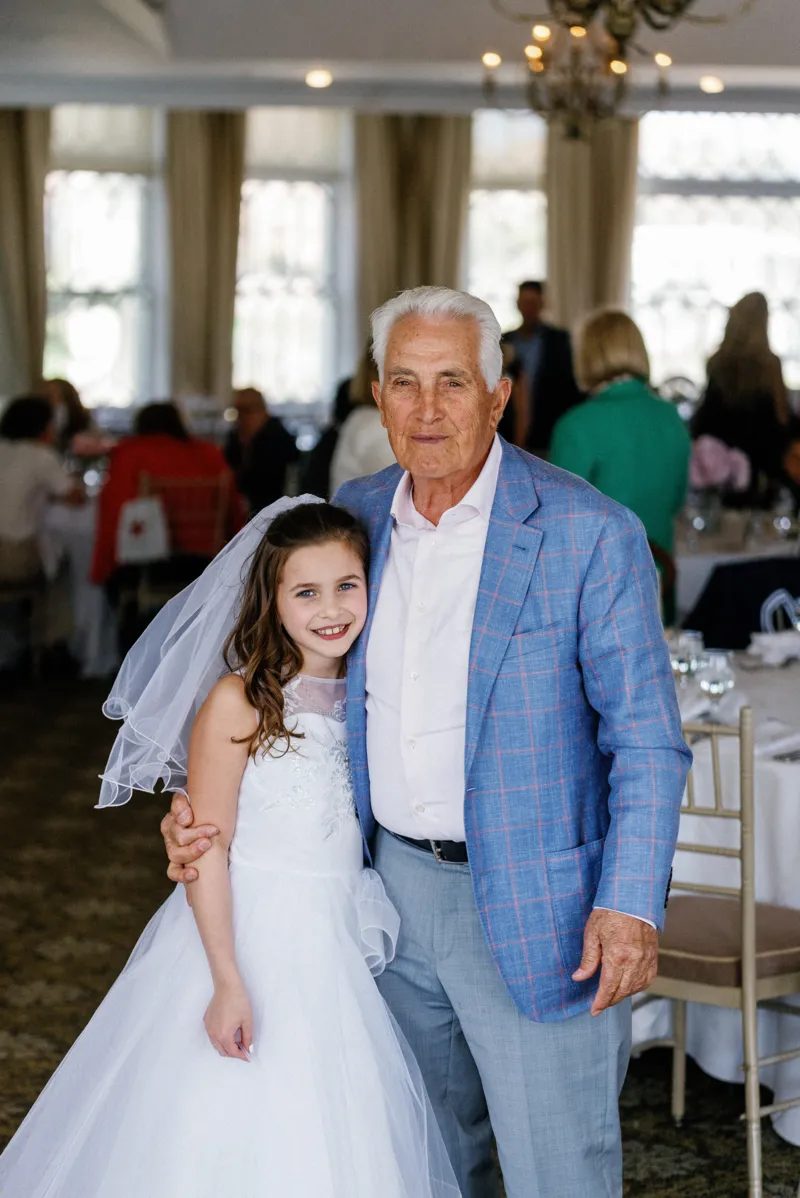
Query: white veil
{"x": 166, "y": 677}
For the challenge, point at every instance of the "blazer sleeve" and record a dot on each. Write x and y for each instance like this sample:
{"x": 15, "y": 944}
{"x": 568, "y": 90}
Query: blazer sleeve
{"x": 628, "y": 682}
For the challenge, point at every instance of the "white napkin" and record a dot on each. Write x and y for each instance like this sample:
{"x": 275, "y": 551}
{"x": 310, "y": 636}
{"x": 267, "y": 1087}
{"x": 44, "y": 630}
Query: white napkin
{"x": 694, "y": 705}
{"x": 775, "y": 648}
{"x": 774, "y": 737}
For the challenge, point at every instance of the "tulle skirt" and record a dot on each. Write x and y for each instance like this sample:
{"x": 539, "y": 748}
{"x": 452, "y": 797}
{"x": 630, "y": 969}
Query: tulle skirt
{"x": 330, "y": 1106}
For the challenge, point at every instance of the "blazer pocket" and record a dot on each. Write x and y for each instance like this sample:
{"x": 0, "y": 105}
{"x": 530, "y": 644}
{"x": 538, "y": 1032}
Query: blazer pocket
{"x": 573, "y": 876}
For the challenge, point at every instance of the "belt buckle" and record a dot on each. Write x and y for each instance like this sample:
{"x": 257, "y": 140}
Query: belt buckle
{"x": 436, "y": 847}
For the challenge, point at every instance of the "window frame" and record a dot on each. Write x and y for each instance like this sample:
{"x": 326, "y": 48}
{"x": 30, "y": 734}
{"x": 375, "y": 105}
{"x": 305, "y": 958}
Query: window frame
{"x": 153, "y": 286}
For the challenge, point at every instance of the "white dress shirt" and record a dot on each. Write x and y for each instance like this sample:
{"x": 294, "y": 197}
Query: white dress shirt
{"x": 418, "y": 661}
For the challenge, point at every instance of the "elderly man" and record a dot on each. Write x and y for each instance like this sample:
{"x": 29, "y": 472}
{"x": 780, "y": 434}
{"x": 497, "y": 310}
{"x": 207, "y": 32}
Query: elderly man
{"x": 517, "y": 762}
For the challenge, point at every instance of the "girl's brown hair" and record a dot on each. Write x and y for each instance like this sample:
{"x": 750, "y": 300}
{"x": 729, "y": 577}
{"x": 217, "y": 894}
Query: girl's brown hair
{"x": 259, "y": 647}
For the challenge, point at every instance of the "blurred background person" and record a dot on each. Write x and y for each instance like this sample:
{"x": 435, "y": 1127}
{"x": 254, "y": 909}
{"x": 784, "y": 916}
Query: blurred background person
{"x": 259, "y": 450}
{"x": 362, "y": 446}
{"x": 162, "y": 449}
{"x": 71, "y": 417}
{"x": 544, "y": 354}
{"x": 31, "y": 477}
{"x": 625, "y": 440}
{"x": 746, "y": 405}
{"x": 316, "y": 474}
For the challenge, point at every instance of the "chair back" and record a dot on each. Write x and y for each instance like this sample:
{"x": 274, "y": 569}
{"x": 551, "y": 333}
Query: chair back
{"x": 745, "y": 815}
{"x": 195, "y": 510}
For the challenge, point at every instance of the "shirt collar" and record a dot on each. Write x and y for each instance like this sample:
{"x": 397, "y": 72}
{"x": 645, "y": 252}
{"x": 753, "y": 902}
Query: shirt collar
{"x": 478, "y": 500}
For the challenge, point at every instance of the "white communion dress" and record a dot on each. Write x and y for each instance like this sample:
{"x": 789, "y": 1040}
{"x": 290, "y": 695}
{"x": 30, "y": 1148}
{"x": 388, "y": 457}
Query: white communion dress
{"x": 332, "y": 1104}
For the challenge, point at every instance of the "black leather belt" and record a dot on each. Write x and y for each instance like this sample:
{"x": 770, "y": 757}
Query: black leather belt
{"x": 451, "y": 852}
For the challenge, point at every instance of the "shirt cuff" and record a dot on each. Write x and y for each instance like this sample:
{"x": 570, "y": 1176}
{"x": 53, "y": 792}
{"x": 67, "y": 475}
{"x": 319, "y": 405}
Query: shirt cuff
{"x": 649, "y": 922}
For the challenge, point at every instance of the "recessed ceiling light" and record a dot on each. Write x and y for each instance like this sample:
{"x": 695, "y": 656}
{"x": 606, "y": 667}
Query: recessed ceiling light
{"x": 319, "y": 78}
{"x": 541, "y": 32}
{"x": 491, "y": 59}
{"x": 533, "y": 51}
{"x": 663, "y": 60}
{"x": 577, "y": 31}
{"x": 618, "y": 66}
{"x": 712, "y": 85}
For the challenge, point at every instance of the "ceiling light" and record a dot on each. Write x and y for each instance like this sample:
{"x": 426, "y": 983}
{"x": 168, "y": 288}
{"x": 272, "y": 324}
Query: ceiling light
{"x": 663, "y": 60}
{"x": 319, "y": 78}
{"x": 491, "y": 59}
{"x": 618, "y": 66}
{"x": 577, "y": 31}
{"x": 533, "y": 51}
{"x": 712, "y": 85}
{"x": 541, "y": 32}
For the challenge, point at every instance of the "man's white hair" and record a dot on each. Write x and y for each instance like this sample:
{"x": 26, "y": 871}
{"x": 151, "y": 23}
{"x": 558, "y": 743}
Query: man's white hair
{"x": 441, "y": 303}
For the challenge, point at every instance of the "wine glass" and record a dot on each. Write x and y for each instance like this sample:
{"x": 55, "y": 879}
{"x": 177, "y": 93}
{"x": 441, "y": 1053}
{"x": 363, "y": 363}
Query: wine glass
{"x": 716, "y": 679}
{"x": 686, "y": 656}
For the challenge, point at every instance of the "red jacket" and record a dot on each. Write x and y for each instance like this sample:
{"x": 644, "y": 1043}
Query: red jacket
{"x": 161, "y": 457}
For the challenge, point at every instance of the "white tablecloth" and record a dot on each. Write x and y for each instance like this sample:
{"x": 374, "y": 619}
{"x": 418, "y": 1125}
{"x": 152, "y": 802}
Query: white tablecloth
{"x": 68, "y": 533}
{"x": 696, "y": 566}
{"x": 714, "y": 1037}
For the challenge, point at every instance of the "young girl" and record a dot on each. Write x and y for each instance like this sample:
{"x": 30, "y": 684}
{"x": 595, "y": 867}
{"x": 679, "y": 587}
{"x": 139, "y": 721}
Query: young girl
{"x": 245, "y": 1052}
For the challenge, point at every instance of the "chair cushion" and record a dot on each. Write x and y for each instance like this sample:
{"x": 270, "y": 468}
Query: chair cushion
{"x": 702, "y": 941}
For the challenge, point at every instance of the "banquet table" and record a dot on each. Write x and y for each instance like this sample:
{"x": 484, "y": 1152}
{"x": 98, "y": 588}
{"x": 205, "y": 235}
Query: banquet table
{"x": 714, "y": 1036}
{"x": 68, "y": 535}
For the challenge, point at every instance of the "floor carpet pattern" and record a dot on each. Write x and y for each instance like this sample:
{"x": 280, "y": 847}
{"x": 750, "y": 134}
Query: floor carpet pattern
{"x": 78, "y": 885}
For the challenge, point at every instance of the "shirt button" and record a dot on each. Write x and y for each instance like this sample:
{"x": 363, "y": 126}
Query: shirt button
{"x": 412, "y": 744}
{"x": 421, "y": 607}
{"x": 413, "y": 675}
{"x": 420, "y": 809}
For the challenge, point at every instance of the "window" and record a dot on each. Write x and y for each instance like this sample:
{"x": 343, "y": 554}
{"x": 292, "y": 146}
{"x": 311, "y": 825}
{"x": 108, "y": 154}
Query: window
{"x": 105, "y": 255}
{"x": 507, "y": 208}
{"x": 294, "y": 309}
{"x": 718, "y": 216}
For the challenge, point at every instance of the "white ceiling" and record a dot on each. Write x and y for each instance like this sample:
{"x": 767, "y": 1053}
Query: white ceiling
{"x": 415, "y": 51}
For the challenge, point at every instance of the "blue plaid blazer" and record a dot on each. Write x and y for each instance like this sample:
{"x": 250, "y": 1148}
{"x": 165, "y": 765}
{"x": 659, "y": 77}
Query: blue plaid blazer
{"x": 574, "y": 760}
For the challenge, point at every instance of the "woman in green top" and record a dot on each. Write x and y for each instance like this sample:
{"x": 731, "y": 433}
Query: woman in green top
{"x": 625, "y": 440}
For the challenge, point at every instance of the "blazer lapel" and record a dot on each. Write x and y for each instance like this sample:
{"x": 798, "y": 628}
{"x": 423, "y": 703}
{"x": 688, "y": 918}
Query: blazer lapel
{"x": 509, "y": 560}
{"x": 380, "y": 539}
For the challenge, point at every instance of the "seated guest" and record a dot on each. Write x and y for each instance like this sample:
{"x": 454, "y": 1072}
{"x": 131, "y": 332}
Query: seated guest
{"x": 31, "y": 476}
{"x": 316, "y": 475}
{"x": 544, "y": 357}
{"x": 162, "y": 449}
{"x": 625, "y": 440}
{"x": 745, "y": 403}
{"x": 71, "y": 417}
{"x": 363, "y": 445}
{"x": 259, "y": 450}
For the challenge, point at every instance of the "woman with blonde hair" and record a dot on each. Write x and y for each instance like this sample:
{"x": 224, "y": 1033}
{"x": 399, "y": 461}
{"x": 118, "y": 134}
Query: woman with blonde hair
{"x": 745, "y": 403}
{"x": 625, "y": 440}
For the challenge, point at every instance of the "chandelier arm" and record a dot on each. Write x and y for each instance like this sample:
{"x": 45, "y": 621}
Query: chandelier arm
{"x": 742, "y": 8}
{"x": 521, "y": 17}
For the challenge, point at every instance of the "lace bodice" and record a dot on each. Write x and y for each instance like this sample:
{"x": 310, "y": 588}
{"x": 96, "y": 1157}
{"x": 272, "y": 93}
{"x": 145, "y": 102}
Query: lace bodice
{"x": 296, "y": 807}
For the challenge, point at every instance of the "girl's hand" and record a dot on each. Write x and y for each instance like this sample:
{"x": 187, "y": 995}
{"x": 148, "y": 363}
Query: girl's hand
{"x": 229, "y": 1021}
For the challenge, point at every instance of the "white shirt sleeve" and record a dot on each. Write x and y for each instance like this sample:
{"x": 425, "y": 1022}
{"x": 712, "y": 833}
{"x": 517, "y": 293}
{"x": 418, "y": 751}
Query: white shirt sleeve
{"x": 52, "y": 475}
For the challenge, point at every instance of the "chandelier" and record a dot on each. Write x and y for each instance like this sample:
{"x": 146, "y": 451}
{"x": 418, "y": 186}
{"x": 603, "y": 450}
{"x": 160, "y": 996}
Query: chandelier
{"x": 578, "y": 60}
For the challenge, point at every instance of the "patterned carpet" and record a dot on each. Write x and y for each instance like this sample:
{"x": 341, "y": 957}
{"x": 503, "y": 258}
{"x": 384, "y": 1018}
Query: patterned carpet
{"x": 78, "y": 885}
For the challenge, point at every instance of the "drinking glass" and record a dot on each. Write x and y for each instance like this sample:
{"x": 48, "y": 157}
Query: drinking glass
{"x": 686, "y": 656}
{"x": 716, "y": 678}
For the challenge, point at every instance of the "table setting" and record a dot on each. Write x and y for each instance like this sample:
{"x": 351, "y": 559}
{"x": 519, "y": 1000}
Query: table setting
{"x": 713, "y": 686}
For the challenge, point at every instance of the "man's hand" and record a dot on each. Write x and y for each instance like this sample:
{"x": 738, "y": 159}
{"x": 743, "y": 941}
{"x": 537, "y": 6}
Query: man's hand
{"x": 184, "y": 843}
{"x": 627, "y": 949}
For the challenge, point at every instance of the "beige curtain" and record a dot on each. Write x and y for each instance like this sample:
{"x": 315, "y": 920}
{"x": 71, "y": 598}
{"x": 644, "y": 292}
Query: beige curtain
{"x": 24, "y": 156}
{"x": 413, "y": 176}
{"x": 205, "y": 170}
{"x": 591, "y": 207}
